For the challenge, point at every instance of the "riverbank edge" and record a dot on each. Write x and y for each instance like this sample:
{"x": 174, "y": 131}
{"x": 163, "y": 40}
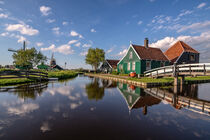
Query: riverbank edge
{"x": 18, "y": 81}
{"x": 135, "y": 82}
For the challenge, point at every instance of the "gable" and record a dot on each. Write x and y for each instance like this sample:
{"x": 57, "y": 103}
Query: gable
{"x": 126, "y": 58}
{"x": 176, "y": 50}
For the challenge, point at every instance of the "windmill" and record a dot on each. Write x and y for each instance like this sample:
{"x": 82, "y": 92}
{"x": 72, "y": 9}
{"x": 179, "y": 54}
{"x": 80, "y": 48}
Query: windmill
{"x": 24, "y": 48}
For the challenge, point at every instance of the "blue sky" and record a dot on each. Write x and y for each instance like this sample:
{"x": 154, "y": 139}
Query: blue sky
{"x": 69, "y": 27}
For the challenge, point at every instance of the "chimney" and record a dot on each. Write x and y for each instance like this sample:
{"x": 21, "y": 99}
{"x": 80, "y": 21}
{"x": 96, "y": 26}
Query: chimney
{"x": 146, "y": 41}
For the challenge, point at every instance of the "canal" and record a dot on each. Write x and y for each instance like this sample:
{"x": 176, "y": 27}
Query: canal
{"x": 91, "y": 108}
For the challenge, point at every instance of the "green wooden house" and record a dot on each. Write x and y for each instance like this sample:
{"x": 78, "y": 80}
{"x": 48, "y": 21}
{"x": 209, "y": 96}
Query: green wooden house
{"x": 141, "y": 58}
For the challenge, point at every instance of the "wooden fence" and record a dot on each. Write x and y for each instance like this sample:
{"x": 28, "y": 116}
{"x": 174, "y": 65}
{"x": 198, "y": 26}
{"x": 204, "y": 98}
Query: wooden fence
{"x": 13, "y": 74}
{"x": 183, "y": 69}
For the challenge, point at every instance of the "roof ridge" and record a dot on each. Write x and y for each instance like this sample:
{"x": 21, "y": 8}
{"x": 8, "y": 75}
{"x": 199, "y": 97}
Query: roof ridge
{"x": 180, "y": 42}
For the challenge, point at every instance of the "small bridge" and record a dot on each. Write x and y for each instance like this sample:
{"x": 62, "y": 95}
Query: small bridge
{"x": 196, "y": 69}
{"x": 13, "y": 74}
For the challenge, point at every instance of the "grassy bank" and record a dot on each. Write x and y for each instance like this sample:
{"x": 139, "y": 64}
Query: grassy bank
{"x": 150, "y": 82}
{"x": 8, "y": 82}
{"x": 62, "y": 74}
{"x": 51, "y": 74}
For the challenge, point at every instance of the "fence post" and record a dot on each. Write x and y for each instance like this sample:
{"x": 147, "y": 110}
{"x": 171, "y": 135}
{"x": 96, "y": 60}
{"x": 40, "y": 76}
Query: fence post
{"x": 190, "y": 69}
{"x": 175, "y": 70}
{"x": 204, "y": 69}
{"x": 164, "y": 71}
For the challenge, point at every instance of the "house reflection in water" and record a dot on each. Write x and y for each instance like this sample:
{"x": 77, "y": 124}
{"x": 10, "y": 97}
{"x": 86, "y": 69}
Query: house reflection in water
{"x": 136, "y": 98}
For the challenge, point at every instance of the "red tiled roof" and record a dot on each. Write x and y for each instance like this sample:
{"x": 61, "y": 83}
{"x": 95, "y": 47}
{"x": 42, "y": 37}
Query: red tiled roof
{"x": 177, "y": 49}
{"x": 150, "y": 53}
{"x": 112, "y": 63}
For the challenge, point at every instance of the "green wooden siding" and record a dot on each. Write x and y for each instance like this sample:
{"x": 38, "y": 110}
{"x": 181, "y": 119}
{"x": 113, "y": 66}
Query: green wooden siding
{"x": 140, "y": 65}
{"x": 126, "y": 60}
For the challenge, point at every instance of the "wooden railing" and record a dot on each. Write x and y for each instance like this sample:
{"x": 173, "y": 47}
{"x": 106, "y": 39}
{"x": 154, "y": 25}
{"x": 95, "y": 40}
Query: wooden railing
{"x": 195, "y": 105}
{"x": 13, "y": 74}
{"x": 183, "y": 69}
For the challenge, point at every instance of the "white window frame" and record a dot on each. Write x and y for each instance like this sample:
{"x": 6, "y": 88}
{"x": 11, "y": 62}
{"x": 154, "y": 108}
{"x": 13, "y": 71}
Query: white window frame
{"x": 134, "y": 65}
{"x": 131, "y": 55}
{"x": 129, "y": 66}
{"x": 148, "y": 68}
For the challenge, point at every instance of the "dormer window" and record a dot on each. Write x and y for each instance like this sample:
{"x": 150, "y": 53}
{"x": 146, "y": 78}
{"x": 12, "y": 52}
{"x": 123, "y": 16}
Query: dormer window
{"x": 192, "y": 57}
{"x": 130, "y": 55}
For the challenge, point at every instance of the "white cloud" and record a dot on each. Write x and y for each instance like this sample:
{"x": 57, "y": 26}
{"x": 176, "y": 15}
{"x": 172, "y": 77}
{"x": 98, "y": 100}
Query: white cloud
{"x": 1, "y": 2}
{"x": 45, "y": 127}
{"x": 45, "y": 10}
{"x": 3, "y": 15}
{"x": 139, "y": 22}
{"x": 23, "y": 109}
{"x": 21, "y": 39}
{"x": 50, "y": 20}
{"x": 56, "y": 30}
{"x": 74, "y": 34}
{"x": 4, "y": 34}
{"x": 64, "y": 49}
{"x": 74, "y": 105}
{"x": 65, "y": 23}
{"x": 183, "y": 13}
{"x": 86, "y": 45}
{"x": 84, "y": 53}
{"x": 22, "y": 28}
{"x": 72, "y": 42}
{"x": 110, "y": 50}
{"x": 122, "y": 53}
{"x": 78, "y": 44}
{"x": 39, "y": 44}
{"x": 201, "y": 5}
{"x": 200, "y": 43}
{"x": 200, "y": 26}
{"x": 50, "y": 48}
{"x": 93, "y": 30}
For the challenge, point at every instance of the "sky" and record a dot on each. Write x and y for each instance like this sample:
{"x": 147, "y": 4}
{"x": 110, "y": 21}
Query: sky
{"x": 68, "y": 28}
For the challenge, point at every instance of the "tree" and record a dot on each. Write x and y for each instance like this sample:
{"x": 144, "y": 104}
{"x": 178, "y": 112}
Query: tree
{"x": 95, "y": 57}
{"x": 28, "y": 58}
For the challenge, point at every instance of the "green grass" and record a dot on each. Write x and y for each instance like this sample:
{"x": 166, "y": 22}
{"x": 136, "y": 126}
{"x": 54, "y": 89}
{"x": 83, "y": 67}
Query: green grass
{"x": 7, "y": 82}
{"x": 200, "y": 78}
{"x": 62, "y": 74}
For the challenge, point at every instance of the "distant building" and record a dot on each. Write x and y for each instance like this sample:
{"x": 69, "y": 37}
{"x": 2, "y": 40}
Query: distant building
{"x": 141, "y": 58}
{"x": 181, "y": 53}
{"x": 109, "y": 65}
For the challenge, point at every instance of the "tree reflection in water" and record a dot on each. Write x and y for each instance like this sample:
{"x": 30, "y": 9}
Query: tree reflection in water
{"x": 94, "y": 91}
{"x": 26, "y": 91}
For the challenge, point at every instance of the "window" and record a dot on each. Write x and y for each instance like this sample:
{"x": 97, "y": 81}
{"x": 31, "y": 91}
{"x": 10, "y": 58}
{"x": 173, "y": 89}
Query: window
{"x": 129, "y": 66}
{"x": 133, "y": 65}
{"x": 130, "y": 55}
{"x": 162, "y": 64}
{"x": 192, "y": 57}
{"x": 121, "y": 66}
{"x": 148, "y": 65}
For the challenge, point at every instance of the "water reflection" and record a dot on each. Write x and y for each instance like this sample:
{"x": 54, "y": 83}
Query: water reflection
{"x": 184, "y": 97}
{"x": 26, "y": 91}
{"x": 95, "y": 89}
{"x": 135, "y": 97}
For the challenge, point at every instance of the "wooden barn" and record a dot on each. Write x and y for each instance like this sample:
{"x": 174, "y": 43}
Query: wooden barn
{"x": 141, "y": 58}
{"x": 181, "y": 53}
{"x": 109, "y": 65}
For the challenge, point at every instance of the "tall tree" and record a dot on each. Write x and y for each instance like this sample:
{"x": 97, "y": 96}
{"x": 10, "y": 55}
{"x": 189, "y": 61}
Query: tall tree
{"x": 28, "y": 58}
{"x": 95, "y": 57}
